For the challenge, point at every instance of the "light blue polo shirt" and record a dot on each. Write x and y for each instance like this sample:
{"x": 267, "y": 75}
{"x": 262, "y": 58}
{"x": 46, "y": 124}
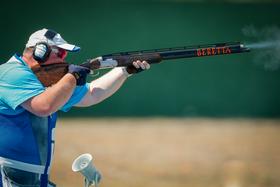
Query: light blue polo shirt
{"x": 18, "y": 83}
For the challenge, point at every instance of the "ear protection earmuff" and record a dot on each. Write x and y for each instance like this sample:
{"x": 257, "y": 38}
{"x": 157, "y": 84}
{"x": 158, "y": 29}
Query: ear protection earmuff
{"x": 42, "y": 50}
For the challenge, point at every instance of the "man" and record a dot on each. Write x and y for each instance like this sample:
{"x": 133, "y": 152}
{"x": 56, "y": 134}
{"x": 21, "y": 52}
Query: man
{"x": 28, "y": 109}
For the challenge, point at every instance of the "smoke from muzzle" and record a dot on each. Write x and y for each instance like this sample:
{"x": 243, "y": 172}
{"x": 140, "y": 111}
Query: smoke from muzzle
{"x": 266, "y": 44}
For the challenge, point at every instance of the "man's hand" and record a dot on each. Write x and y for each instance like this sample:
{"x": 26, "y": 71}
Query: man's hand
{"x": 80, "y": 73}
{"x": 137, "y": 66}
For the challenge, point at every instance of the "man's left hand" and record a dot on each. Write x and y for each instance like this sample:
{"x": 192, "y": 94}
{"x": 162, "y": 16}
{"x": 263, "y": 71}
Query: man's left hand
{"x": 137, "y": 66}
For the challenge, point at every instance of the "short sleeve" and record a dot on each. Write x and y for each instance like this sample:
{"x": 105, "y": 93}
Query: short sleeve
{"x": 18, "y": 84}
{"x": 76, "y": 97}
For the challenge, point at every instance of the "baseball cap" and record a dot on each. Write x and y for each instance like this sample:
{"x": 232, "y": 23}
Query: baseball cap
{"x": 52, "y": 38}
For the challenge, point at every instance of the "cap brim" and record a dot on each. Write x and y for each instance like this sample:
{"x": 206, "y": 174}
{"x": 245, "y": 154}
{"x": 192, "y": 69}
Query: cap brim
{"x": 69, "y": 47}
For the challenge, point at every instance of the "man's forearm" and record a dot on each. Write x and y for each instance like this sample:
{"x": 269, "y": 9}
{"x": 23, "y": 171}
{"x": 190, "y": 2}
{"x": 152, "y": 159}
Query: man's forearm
{"x": 107, "y": 85}
{"x": 52, "y": 98}
{"x": 60, "y": 93}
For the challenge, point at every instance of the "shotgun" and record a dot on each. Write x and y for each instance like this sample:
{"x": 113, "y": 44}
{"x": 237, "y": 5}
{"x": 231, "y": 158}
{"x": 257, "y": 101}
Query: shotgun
{"x": 51, "y": 73}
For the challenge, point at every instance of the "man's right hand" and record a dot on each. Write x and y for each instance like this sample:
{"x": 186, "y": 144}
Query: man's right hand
{"x": 80, "y": 73}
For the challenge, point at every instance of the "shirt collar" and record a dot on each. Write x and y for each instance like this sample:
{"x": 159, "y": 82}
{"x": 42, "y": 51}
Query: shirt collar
{"x": 18, "y": 57}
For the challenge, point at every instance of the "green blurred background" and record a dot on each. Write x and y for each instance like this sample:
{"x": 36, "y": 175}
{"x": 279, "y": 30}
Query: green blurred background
{"x": 221, "y": 86}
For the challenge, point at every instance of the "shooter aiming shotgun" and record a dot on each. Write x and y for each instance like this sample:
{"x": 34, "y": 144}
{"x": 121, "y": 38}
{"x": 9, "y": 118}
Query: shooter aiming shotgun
{"x": 126, "y": 58}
